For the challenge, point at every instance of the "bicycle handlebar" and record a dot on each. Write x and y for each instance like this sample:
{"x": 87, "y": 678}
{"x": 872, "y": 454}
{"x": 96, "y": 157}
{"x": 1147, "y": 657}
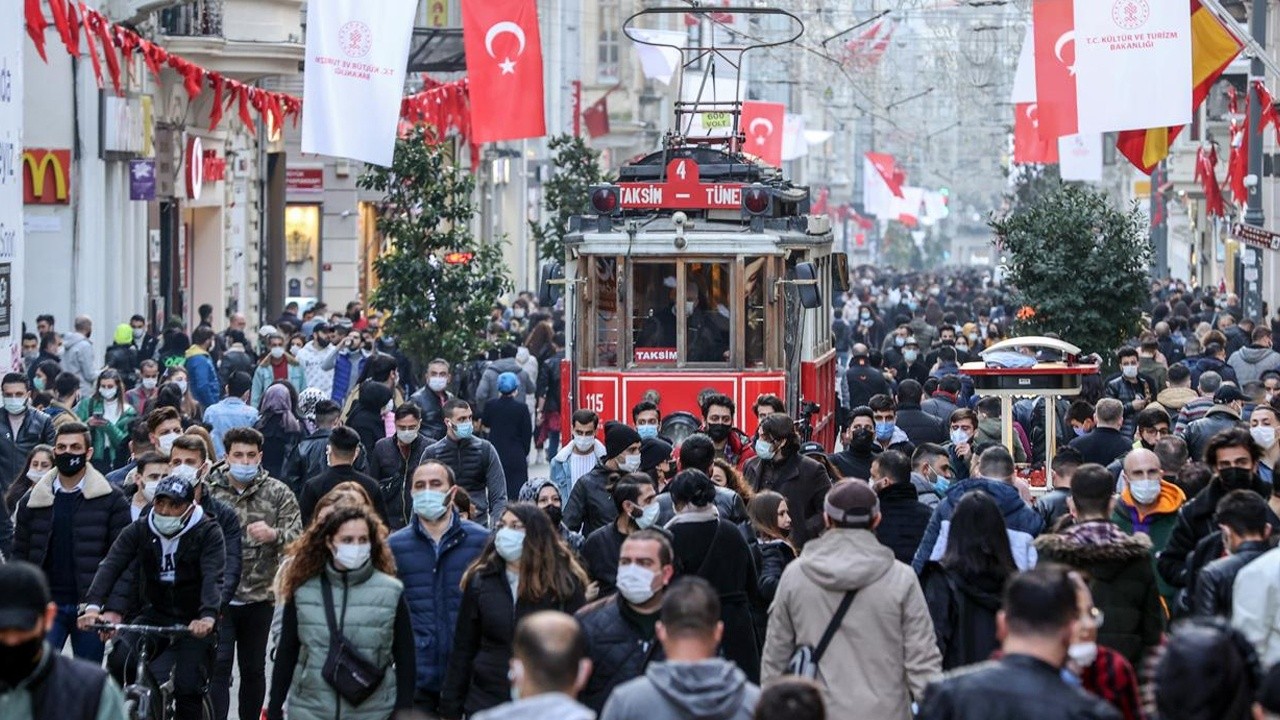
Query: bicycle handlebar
{"x": 144, "y": 629}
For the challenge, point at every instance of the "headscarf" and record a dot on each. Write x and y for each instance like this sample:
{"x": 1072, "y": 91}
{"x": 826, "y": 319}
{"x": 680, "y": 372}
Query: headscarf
{"x": 277, "y": 401}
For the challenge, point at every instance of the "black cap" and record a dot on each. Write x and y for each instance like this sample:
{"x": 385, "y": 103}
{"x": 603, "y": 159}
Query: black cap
{"x": 176, "y": 488}
{"x": 321, "y": 327}
{"x": 617, "y": 438}
{"x": 1228, "y": 394}
{"x": 654, "y": 452}
{"x": 25, "y": 596}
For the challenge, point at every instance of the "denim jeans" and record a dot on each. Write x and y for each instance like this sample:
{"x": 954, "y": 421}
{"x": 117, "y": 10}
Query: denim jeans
{"x": 85, "y": 645}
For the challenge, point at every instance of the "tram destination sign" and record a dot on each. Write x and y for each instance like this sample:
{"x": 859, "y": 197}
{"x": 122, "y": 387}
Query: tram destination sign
{"x": 1255, "y": 236}
{"x": 681, "y": 191}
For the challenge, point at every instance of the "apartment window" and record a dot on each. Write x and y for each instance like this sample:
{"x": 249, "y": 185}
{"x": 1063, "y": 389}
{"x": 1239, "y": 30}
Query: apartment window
{"x": 608, "y": 42}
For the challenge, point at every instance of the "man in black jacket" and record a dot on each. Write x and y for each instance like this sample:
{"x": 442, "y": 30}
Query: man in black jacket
{"x": 344, "y": 448}
{"x": 903, "y": 518}
{"x": 432, "y": 396}
{"x": 175, "y": 554}
{"x": 862, "y": 380}
{"x": 66, "y": 524}
{"x": 858, "y": 439}
{"x": 1038, "y": 624}
{"x": 26, "y": 428}
{"x": 590, "y": 507}
{"x": 393, "y": 461}
{"x": 1105, "y": 442}
{"x": 308, "y": 458}
{"x": 189, "y": 460}
{"x": 474, "y": 462}
{"x": 920, "y": 426}
{"x": 619, "y": 629}
{"x": 1242, "y": 515}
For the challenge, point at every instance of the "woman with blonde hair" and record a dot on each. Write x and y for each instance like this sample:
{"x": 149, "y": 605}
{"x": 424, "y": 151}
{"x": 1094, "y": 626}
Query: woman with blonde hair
{"x": 342, "y": 599}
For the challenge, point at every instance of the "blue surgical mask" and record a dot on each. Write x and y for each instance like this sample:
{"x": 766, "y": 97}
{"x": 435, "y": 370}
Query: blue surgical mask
{"x": 959, "y": 437}
{"x": 430, "y": 505}
{"x": 464, "y": 430}
{"x": 166, "y": 525}
{"x": 941, "y": 485}
{"x": 764, "y": 449}
{"x": 243, "y": 472}
{"x": 647, "y": 431}
{"x": 648, "y": 516}
{"x": 1080, "y": 431}
{"x": 509, "y": 543}
{"x": 884, "y": 430}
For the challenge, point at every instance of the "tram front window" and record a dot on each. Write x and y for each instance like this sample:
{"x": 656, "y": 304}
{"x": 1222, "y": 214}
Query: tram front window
{"x": 707, "y": 304}
{"x": 653, "y": 289}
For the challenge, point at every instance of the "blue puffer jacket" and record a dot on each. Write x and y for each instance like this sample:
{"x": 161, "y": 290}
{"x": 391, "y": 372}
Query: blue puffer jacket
{"x": 433, "y": 589}
{"x": 1021, "y": 521}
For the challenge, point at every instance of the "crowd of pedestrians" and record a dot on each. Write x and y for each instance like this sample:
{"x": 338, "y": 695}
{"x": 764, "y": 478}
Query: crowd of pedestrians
{"x": 346, "y": 532}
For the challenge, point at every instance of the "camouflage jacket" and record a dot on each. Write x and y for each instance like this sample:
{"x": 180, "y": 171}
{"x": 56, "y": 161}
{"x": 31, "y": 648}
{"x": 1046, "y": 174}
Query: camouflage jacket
{"x": 268, "y": 500}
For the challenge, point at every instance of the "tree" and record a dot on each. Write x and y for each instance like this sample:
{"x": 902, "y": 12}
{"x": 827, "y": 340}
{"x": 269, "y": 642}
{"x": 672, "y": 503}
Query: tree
{"x": 1077, "y": 267}
{"x": 436, "y": 278}
{"x": 577, "y": 168}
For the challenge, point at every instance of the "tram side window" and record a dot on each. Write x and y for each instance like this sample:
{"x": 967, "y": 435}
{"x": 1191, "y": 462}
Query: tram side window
{"x": 653, "y": 322}
{"x": 605, "y": 306}
{"x": 707, "y": 302}
{"x": 754, "y": 291}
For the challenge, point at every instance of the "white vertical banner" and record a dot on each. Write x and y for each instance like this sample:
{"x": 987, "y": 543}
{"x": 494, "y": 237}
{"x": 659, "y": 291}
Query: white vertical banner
{"x": 354, "y": 80}
{"x": 1080, "y": 157}
{"x": 1024, "y": 78}
{"x": 793, "y": 143}
{"x": 12, "y": 43}
{"x": 877, "y": 197}
{"x": 1133, "y": 64}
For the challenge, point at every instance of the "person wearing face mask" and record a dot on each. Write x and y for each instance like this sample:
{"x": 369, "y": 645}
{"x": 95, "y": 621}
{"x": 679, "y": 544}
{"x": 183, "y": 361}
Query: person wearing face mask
{"x": 1101, "y": 671}
{"x": 201, "y": 371}
{"x": 313, "y": 356}
{"x": 474, "y": 461}
{"x": 858, "y": 444}
{"x": 544, "y": 493}
{"x": 108, "y": 416}
{"x": 141, "y": 396}
{"x": 347, "y": 364}
{"x": 620, "y": 628}
{"x": 24, "y": 429}
{"x": 590, "y": 506}
{"x": 1148, "y": 505}
{"x": 66, "y": 394}
{"x": 276, "y": 364}
{"x": 432, "y": 396}
{"x": 340, "y": 582}
{"x": 509, "y": 426}
{"x": 37, "y": 464}
{"x": 174, "y": 556}
{"x": 717, "y": 422}
{"x": 1038, "y": 625}
{"x": 66, "y": 524}
{"x": 1233, "y": 456}
{"x": 714, "y": 549}
{"x": 269, "y": 520}
{"x": 636, "y": 504}
{"x": 657, "y": 461}
{"x": 1225, "y": 413}
{"x": 580, "y": 455}
{"x": 1133, "y": 389}
{"x": 341, "y": 452}
{"x": 36, "y": 682}
{"x": 1263, "y": 424}
{"x": 393, "y": 460}
{"x": 779, "y": 466}
{"x": 769, "y": 537}
{"x": 930, "y": 473}
{"x": 431, "y": 554}
{"x": 140, "y": 486}
{"x": 549, "y": 667}
{"x": 524, "y": 568}
{"x": 1117, "y": 564}
{"x": 1242, "y": 519}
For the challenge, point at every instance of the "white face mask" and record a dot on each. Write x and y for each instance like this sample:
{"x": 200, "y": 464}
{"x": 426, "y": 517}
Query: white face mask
{"x": 165, "y": 442}
{"x": 437, "y": 384}
{"x": 1144, "y": 492}
{"x": 34, "y": 475}
{"x": 584, "y": 443}
{"x": 277, "y": 352}
{"x": 630, "y": 463}
{"x": 149, "y": 383}
{"x": 149, "y": 490}
{"x": 635, "y": 583}
{"x": 107, "y": 393}
{"x": 1264, "y": 435}
{"x": 1083, "y": 653}
{"x": 182, "y": 385}
{"x": 352, "y": 556}
{"x": 407, "y": 436}
{"x": 689, "y": 305}
{"x": 1130, "y": 371}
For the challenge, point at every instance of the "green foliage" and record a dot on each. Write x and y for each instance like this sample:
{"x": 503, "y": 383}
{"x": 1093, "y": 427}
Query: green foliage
{"x": 577, "y": 168}
{"x": 1032, "y": 182}
{"x": 1080, "y": 264}
{"x": 437, "y": 309}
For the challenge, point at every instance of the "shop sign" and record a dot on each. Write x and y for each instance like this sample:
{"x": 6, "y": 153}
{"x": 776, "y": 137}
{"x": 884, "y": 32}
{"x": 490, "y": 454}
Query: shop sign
{"x": 46, "y": 177}
{"x": 126, "y": 125}
{"x": 214, "y": 167}
{"x": 304, "y": 179}
{"x": 142, "y": 179}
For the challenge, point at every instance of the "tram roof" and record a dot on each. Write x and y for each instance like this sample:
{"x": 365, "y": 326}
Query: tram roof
{"x": 657, "y": 236}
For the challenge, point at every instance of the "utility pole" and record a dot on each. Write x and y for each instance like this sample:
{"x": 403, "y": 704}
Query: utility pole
{"x": 1251, "y": 257}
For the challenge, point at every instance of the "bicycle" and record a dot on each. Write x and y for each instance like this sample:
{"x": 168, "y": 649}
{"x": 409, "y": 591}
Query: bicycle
{"x": 142, "y": 694}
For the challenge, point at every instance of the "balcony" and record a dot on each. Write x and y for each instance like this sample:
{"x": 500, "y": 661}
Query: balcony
{"x": 242, "y": 39}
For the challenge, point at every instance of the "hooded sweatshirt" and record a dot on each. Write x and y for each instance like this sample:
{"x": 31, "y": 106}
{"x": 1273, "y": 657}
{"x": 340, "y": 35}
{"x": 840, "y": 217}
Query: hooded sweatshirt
{"x": 1250, "y": 362}
{"x": 77, "y": 357}
{"x": 1175, "y": 398}
{"x": 169, "y": 545}
{"x": 714, "y": 689}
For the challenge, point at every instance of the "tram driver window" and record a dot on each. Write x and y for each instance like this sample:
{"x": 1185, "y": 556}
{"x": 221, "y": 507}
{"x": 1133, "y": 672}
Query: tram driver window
{"x": 707, "y": 304}
{"x": 653, "y": 321}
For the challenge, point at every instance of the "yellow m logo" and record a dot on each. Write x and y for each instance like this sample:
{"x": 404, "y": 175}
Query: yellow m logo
{"x": 36, "y": 164}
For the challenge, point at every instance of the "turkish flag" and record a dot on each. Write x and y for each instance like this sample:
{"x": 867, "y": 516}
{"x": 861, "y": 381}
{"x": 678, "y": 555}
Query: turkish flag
{"x": 1030, "y": 146}
{"x": 504, "y": 66}
{"x": 596, "y": 118}
{"x": 1053, "y": 22}
{"x": 762, "y": 123}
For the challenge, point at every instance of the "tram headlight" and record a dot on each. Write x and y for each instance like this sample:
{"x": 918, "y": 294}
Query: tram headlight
{"x": 605, "y": 200}
{"x": 756, "y": 200}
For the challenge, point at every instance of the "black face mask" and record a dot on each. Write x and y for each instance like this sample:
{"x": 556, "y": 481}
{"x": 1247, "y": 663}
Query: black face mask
{"x": 1235, "y": 479}
{"x": 17, "y": 661}
{"x": 862, "y": 440}
{"x": 555, "y": 513}
{"x": 718, "y": 432}
{"x": 69, "y": 463}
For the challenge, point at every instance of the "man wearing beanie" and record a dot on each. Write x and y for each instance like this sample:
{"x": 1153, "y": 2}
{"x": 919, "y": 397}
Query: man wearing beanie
{"x": 590, "y": 506}
{"x": 846, "y": 578}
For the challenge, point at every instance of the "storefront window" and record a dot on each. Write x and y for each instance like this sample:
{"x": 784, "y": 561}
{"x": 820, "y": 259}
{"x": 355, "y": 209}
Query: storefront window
{"x": 302, "y": 251}
{"x": 708, "y": 304}
{"x": 754, "y": 291}
{"x": 653, "y": 317}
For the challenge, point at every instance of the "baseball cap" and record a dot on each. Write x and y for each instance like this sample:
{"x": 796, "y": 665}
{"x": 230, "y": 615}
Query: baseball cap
{"x": 25, "y": 597}
{"x": 176, "y": 488}
{"x": 852, "y": 504}
{"x": 1228, "y": 394}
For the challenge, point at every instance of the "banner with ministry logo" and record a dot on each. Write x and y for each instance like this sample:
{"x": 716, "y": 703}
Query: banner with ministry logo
{"x": 357, "y": 51}
{"x": 12, "y": 42}
{"x": 1132, "y": 64}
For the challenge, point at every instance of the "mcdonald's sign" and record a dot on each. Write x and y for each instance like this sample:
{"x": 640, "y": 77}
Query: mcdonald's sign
{"x": 46, "y": 177}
